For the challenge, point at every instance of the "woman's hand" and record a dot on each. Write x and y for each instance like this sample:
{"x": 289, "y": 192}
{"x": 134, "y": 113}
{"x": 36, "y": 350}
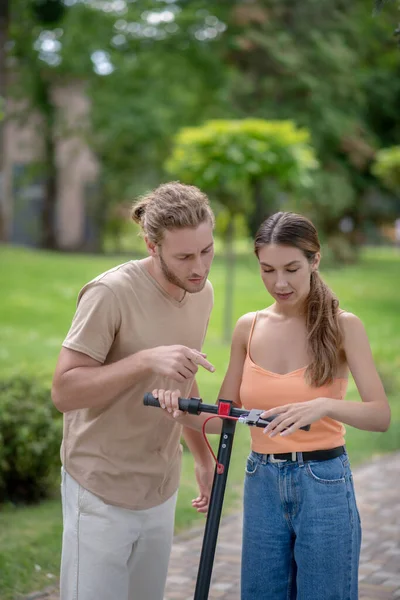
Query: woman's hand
{"x": 293, "y": 416}
{"x": 169, "y": 401}
{"x": 204, "y": 478}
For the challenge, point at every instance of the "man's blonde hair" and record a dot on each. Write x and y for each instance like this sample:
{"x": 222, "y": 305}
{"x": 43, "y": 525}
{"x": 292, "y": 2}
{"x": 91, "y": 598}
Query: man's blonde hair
{"x": 172, "y": 205}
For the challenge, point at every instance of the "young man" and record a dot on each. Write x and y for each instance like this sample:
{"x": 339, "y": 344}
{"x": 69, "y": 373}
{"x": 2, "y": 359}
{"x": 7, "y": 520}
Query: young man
{"x": 137, "y": 327}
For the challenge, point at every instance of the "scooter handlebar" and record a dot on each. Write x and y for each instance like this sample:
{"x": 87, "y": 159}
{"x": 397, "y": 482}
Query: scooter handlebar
{"x": 195, "y": 406}
{"x": 190, "y": 405}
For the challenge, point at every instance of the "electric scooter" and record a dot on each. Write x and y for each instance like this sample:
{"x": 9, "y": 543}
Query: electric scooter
{"x": 230, "y": 416}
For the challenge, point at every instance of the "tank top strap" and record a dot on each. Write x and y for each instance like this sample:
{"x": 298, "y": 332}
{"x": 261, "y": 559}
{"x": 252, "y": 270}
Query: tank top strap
{"x": 251, "y": 333}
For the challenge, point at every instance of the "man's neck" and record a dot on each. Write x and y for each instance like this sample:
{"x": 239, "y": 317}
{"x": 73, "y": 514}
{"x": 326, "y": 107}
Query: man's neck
{"x": 172, "y": 290}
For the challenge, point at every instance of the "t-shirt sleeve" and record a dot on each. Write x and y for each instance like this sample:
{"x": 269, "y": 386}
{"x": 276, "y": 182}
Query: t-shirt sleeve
{"x": 96, "y": 322}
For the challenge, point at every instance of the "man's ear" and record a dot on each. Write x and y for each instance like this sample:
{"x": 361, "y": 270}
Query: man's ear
{"x": 151, "y": 247}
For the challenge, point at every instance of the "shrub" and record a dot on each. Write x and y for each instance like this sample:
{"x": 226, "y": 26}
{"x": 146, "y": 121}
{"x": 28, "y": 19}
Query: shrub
{"x": 30, "y": 437}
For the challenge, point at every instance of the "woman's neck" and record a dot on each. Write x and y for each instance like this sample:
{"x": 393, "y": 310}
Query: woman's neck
{"x": 297, "y": 311}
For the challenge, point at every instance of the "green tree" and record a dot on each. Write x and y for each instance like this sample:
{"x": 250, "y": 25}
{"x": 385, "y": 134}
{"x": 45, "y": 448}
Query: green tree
{"x": 4, "y": 24}
{"x": 230, "y": 159}
{"x": 152, "y": 68}
{"x": 32, "y": 24}
{"x": 378, "y": 6}
{"x": 133, "y": 63}
{"x": 163, "y": 76}
{"x": 332, "y": 67}
{"x": 387, "y": 168}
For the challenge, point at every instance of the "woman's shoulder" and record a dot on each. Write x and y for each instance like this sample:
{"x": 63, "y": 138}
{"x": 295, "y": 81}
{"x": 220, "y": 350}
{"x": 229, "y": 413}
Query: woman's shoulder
{"x": 349, "y": 323}
{"x": 345, "y": 316}
{"x": 243, "y": 328}
{"x": 245, "y": 322}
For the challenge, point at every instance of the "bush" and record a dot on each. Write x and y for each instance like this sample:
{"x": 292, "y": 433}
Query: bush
{"x": 30, "y": 437}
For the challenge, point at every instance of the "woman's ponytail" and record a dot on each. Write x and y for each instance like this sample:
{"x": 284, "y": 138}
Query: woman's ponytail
{"x": 323, "y": 332}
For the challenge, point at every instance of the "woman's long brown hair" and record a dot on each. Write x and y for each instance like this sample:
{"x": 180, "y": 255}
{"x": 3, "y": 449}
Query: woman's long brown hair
{"x": 322, "y": 307}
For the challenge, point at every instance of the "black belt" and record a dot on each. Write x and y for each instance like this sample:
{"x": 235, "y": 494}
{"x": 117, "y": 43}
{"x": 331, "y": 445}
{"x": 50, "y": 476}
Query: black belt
{"x": 314, "y": 455}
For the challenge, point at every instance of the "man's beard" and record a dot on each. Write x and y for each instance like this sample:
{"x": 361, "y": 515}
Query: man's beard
{"x": 172, "y": 278}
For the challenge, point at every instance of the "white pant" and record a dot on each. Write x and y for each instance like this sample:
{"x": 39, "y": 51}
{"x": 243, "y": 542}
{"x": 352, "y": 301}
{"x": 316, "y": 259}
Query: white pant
{"x": 112, "y": 553}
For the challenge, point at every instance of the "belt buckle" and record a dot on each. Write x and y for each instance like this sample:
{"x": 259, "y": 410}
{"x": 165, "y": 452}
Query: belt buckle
{"x": 276, "y": 460}
{"x": 279, "y": 460}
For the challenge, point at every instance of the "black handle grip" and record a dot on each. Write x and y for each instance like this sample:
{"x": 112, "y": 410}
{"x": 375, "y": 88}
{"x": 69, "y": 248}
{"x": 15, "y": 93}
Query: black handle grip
{"x": 264, "y": 423}
{"x": 149, "y": 400}
{"x": 190, "y": 405}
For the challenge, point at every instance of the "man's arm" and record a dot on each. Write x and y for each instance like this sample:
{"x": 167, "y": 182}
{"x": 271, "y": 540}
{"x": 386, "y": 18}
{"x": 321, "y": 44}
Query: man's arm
{"x": 83, "y": 382}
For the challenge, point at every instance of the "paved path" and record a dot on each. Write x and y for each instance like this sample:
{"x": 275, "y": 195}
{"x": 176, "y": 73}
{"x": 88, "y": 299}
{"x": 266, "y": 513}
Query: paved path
{"x": 378, "y": 496}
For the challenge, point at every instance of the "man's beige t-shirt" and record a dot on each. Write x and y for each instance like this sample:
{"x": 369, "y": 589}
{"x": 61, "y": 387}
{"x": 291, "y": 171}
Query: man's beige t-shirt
{"x": 129, "y": 454}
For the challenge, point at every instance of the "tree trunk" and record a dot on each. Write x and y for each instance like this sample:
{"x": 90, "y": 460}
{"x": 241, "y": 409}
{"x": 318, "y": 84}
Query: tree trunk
{"x": 45, "y": 105}
{"x": 4, "y": 22}
{"x": 230, "y": 284}
{"x": 49, "y": 236}
{"x": 100, "y": 216}
{"x": 260, "y": 208}
{"x": 266, "y": 201}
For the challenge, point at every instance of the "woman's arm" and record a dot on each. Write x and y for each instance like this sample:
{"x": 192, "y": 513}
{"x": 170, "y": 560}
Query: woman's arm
{"x": 372, "y": 414}
{"x": 230, "y": 388}
{"x": 204, "y": 464}
{"x": 193, "y": 437}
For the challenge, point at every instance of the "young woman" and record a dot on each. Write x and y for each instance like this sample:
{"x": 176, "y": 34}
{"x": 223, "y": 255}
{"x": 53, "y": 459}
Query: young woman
{"x": 301, "y": 531}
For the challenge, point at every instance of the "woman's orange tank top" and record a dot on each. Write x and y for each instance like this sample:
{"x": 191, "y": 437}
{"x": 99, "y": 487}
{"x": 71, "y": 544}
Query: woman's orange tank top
{"x": 262, "y": 389}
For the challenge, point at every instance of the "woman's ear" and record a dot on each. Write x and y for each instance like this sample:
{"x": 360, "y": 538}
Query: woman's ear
{"x": 317, "y": 260}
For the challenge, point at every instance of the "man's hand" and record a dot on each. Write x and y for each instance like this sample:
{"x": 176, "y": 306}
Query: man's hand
{"x": 293, "y": 416}
{"x": 204, "y": 477}
{"x": 178, "y": 362}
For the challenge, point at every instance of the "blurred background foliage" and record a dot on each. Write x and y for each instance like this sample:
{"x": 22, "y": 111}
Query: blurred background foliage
{"x": 152, "y": 67}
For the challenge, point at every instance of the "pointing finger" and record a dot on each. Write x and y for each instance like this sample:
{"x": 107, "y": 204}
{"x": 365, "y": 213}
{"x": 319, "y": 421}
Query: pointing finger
{"x": 203, "y": 362}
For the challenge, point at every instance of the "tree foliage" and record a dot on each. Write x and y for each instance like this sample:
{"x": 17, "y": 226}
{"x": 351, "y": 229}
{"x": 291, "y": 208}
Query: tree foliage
{"x": 229, "y": 158}
{"x": 378, "y": 6}
{"x": 387, "y": 168}
{"x": 331, "y": 66}
{"x": 151, "y": 69}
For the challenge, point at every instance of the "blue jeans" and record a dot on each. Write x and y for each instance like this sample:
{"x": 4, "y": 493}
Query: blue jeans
{"x": 301, "y": 530}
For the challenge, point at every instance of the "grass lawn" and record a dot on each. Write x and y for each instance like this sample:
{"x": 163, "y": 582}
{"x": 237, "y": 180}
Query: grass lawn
{"x": 37, "y": 300}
